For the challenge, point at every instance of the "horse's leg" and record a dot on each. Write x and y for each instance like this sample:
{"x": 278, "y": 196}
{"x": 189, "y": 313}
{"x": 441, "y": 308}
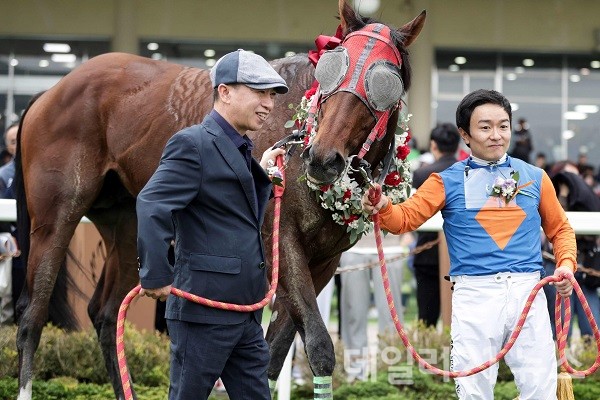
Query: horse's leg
{"x": 280, "y": 336}
{"x": 48, "y": 249}
{"x": 53, "y": 223}
{"x": 300, "y": 301}
{"x": 118, "y": 228}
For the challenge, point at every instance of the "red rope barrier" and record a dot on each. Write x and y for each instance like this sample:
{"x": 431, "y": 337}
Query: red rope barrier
{"x": 121, "y": 316}
{"x": 561, "y": 329}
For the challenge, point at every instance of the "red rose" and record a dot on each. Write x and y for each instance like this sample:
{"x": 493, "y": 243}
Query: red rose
{"x": 310, "y": 92}
{"x": 407, "y": 141}
{"x": 402, "y": 152}
{"x": 306, "y": 139}
{"x": 393, "y": 179}
{"x": 347, "y": 194}
{"x": 325, "y": 188}
{"x": 351, "y": 218}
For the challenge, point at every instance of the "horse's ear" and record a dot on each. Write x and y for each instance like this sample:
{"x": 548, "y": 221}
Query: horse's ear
{"x": 348, "y": 17}
{"x": 411, "y": 30}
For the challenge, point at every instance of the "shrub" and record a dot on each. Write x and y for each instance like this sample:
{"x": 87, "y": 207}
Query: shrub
{"x": 77, "y": 355}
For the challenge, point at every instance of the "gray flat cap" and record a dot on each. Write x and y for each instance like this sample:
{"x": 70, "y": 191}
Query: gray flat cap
{"x": 250, "y": 69}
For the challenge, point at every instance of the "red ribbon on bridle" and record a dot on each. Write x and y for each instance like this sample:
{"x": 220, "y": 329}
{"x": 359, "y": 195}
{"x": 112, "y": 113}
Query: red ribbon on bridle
{"x": 325, "y": 43}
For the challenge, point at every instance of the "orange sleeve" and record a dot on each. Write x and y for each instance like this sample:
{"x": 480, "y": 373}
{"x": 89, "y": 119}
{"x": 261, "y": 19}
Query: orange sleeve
{"x": 408, "y": 216}
{"x": 556, "y": 226}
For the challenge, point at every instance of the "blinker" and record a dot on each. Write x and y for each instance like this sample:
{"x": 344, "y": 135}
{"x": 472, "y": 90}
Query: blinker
{"x": 367, "y": 64}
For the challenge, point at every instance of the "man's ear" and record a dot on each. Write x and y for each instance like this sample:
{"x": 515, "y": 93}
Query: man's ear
{"x": 465, "y": 136}
{"x": 224, "y": 93}
{"x": 432, "y": 146}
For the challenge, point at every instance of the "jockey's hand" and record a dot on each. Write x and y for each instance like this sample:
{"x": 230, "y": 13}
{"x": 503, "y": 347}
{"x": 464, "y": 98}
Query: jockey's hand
{"x": 371, "y": 208}
{"x": 269, "y": 157}
{"x": 564, "y": 287}
{"x": 157, "y": 293}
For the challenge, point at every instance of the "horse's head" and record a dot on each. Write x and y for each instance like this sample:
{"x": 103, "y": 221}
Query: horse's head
{"x": 361, "y": 83}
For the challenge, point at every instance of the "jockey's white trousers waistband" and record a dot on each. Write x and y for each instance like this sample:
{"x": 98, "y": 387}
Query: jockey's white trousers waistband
{"x": 499, "y": 277}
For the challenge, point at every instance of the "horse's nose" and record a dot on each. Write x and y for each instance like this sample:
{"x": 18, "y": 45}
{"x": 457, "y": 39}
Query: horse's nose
{"x": 306, "y": 153}
{"x": 323, "y": 169}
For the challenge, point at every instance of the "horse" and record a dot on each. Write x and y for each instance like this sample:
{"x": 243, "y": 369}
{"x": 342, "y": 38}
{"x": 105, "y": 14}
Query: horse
{"x": 88, "y": 145}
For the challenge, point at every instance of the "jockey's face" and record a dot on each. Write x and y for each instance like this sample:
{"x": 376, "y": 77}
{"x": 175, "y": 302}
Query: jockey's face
{"x": 490, "y": 132}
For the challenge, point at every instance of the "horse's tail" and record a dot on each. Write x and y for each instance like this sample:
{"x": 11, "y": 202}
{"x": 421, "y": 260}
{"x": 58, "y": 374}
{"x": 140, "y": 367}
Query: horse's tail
{"x": 60, "y": 311}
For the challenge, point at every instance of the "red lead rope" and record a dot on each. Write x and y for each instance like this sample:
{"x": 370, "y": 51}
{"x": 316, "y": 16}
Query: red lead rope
{"x": 561, "y": 329}
{"x": 122, "y": 359}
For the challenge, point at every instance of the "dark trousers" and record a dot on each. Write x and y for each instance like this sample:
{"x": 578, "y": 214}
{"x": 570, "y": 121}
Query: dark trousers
{"x": 201, "y": 353}
{"x": 428, "y": 293}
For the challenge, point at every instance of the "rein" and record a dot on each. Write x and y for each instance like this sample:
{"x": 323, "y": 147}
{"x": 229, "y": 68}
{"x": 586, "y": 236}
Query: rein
{"x": 122, "y": 359}
{"x": 561, "y": 328}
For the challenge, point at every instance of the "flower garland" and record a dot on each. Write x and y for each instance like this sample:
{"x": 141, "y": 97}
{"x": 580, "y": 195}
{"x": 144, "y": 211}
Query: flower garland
{"x": 344, "y": 196}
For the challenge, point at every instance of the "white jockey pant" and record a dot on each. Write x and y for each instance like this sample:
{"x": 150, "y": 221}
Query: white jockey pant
{"x": 485, "y": 310}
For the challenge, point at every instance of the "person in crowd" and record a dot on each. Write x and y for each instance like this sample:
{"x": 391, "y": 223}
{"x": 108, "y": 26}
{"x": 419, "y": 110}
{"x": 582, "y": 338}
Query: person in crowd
{"x": 493, "y": 206}
{"x": 541, "y": 161}
{"x": 15, "y": 274}
{"x": 522, "y": 142}
{"x": 7, "y": 171}
{"x": 210, "y": 194}
{"x": 444, "y": 140}
{"x": 358, "y": 288}
{"x": 575, "y": 195}
{"x": 583, "y": 164}
{"x": 5, "y": 157}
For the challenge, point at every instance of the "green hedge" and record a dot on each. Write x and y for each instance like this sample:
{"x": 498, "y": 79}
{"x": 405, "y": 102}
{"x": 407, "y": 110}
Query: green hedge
{"x": 77, "y": 356}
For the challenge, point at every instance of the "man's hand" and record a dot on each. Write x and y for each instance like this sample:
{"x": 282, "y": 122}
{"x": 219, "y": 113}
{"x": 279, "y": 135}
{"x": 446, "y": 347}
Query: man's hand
{"x": 269, "y": 157}
{"x": 564, "y": 287}
{"x": 371, "y": 208}
{"x": 157, "y": 293}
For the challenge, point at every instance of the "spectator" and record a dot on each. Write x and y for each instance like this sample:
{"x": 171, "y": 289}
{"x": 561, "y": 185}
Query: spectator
{"x": 583, "y": 165}
{"x": 443, "y": 146}
{"x": 15, "y": 275}
{"x": 542, "y": 162}
{"x": 357, "y": 288}
{"x": 522, "y": 145}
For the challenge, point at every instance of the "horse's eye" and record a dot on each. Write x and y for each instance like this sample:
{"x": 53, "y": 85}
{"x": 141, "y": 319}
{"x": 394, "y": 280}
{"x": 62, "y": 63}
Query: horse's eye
{"x": 383, "y": 85}
{"x": 331, "y": 69}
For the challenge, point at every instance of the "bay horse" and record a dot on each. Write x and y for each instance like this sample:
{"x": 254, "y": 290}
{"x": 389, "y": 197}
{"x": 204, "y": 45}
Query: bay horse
{"x": 87, "y": 146}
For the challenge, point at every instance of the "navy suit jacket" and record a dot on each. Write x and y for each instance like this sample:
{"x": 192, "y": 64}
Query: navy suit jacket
{"x": 204, "y": 196}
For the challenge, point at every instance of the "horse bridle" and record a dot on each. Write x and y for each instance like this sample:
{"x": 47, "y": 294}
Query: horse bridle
{"x": 367, "y": 64}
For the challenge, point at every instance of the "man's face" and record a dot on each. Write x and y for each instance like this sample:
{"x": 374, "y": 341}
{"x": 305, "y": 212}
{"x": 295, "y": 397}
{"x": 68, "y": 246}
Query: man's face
{"x": 10, "y": 140}
{"x": 250, "y": 107}
{"x": 490, "y": 132}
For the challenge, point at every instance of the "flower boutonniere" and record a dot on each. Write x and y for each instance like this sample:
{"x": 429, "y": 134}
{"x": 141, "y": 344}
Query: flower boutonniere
{"x": 507, "y": 188}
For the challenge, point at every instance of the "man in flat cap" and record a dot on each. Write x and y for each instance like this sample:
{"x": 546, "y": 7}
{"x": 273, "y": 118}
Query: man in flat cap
{"x": 210, "y": 195}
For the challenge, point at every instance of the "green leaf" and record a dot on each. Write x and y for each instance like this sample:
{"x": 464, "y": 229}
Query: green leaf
{"x": 289, "y": 124}
{"x": 515, "y": 176}
{"x": 353, "y": 236}
{"x": 277, "y": 181}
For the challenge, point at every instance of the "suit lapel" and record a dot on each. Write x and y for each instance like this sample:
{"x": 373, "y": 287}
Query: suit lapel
{"x": 232, "y": 156}
{"x": 263, "y": 186}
